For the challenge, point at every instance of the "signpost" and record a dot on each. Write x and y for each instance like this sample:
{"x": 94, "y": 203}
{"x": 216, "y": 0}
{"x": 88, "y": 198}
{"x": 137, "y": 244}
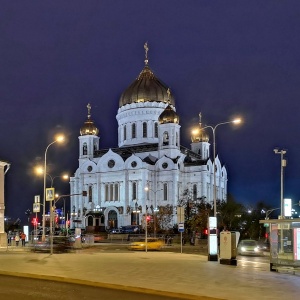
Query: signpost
{"x": 36, "y": 208}
{"x": 180, "y": 222}
{"x": 181, "y": 230}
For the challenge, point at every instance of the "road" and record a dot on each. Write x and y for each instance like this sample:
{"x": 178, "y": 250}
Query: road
{"x": 18, "y": 288}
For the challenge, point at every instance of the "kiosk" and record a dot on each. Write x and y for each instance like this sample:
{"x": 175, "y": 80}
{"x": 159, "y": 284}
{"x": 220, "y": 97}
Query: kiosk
{"x": 284, "y": 244}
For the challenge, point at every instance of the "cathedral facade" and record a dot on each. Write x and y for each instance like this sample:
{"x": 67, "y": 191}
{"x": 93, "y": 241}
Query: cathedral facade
{"x": 149, "y": 170}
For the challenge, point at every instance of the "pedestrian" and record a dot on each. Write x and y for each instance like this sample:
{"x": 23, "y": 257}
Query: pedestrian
{"x": 9, "y": 238}
{"x": 17, "y": 239}
{"x": 23, "y": 238}
{"x": 192, "y": 241}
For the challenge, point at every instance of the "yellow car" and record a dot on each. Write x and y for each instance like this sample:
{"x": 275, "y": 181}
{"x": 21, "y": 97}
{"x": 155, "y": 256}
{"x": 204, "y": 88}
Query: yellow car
{"x": 152, "y": 244}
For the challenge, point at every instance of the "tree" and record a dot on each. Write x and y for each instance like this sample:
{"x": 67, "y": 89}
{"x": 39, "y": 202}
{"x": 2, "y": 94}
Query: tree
{"x": 163, "y": 218}
{"x": 196, "y": 211}
{"x": 229, "y": 214}
{"x": 251, "y": 227}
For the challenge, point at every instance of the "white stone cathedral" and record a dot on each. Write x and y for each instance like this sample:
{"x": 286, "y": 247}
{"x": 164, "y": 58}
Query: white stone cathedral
{"x": 108, "y": 187}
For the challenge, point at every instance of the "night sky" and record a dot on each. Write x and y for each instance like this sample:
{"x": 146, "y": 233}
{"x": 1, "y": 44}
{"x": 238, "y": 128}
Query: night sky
{"x": 223, "y": 58}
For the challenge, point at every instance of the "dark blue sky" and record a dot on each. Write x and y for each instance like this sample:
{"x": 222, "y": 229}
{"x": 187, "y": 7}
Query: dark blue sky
{"x": 223, "y": 58}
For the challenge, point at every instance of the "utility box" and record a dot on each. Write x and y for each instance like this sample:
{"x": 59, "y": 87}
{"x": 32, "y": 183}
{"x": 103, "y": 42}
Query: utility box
{"x": 228, "y": 249}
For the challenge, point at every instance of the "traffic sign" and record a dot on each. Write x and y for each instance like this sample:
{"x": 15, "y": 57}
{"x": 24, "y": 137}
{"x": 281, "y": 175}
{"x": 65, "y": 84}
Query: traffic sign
{"x": 50, "y": 194}
{"x": 181, "y": 227}
{"x": 180, "y": 214}
{"x": 36, "y": 207}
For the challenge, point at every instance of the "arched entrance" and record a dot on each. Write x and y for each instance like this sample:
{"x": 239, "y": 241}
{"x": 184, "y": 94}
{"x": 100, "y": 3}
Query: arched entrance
{"x": 95, "y": 222}
{"x": 112, "y": 221}
{"x": 90, "y": 221}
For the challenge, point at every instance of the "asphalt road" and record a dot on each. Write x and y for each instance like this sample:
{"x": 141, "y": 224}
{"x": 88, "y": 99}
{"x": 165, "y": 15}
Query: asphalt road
{"x": 18, "y": 288}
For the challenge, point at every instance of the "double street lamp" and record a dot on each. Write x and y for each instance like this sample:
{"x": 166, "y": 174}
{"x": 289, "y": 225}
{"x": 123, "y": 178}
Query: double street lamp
{"x": 213, "y": 128}
{"x": 58, "y": 139}
{"x": 154, "y": 209}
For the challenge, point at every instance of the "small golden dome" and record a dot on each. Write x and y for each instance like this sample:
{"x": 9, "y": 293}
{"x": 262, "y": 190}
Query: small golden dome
{"x": 89, "y": 127}
{"x": 199, "y": 135}
{"x": 168, "y": 116}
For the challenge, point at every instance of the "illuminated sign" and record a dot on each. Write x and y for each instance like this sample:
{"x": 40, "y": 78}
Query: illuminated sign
{"x": 287, "y": 207}
{"x": 212, "y": 237}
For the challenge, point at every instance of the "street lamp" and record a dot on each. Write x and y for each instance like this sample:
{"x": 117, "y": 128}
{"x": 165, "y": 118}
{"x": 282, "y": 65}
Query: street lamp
{"x": 154, "y": 209}
{"x": 282, "y": 165}
{"x": 213, "y": 128}
{"x": 40, "y": 171}
{"x": 58, "y": 139}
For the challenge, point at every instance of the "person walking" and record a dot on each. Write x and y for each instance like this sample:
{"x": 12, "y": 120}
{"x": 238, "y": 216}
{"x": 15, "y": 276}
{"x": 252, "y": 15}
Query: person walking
{"x": 17, "y": 239}
{"x": 23, "y": 238}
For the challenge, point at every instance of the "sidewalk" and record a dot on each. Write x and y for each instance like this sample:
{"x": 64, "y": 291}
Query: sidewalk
{"x": 189, "y": 276}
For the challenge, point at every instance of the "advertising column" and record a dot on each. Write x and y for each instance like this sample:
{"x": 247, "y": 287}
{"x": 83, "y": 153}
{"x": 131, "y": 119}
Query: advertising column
{"x": 212, "y": 239}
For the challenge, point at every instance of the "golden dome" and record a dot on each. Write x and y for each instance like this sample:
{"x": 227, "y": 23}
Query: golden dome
{"x": 168, "y": 116}
{"x": 89, "y": 127}
{"x": 146, "y": 88}
{"x": 199, "y": 135}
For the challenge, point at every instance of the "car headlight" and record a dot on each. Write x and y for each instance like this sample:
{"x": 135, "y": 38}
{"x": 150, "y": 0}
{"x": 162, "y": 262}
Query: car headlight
{"x": 243, "y": 249}
{"x": 256, "y": 249}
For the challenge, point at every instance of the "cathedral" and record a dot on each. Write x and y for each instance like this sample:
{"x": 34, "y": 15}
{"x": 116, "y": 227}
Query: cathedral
{"x": 149, "y": 170}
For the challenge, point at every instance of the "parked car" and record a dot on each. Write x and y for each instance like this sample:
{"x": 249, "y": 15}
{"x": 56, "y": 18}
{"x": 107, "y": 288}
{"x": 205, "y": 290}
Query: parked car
{"x": 130, "y": 229}
{"x": 249, "y": 247}
{"x": 152, "y": 244}
{"x": 116, "y": 230}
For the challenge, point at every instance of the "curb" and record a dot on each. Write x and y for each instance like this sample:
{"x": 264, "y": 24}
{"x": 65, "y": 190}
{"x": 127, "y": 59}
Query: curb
{"x": 107, "y": 285}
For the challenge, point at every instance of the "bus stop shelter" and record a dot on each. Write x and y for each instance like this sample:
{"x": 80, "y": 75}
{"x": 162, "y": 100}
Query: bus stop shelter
{"x": 284, "y": 235}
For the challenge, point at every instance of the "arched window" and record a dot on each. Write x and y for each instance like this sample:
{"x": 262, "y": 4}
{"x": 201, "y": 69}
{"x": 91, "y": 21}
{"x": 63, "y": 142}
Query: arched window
{"x": 90, "y": 193}
{"x": 107, "y": 192}
{"x": 177, "y": 139}
{"x": 124, "y": 128}
{"x": 84, "y": 149}
{"x": 111, "y": 192}
{"x": 133, "y": 130}
{"x": 134, "y": 193}
{"x": 116, "y": 192}
{"x": 165, "y": 191}
{"x": 156, "y": 129}
{"x": 165, "y": 139}
{"x": 144, "y": 129}
{"x": 195, "y": 192}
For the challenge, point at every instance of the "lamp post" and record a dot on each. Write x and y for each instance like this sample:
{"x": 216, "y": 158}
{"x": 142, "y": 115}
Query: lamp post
{"x": 136, "y": 212}
{"x": 282, "y": 165}
{"x": 154, "y": 209}
{"x": 213, "y": 128}
{"x": 58, "y": 139}
{"x": 146, "y": 229}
